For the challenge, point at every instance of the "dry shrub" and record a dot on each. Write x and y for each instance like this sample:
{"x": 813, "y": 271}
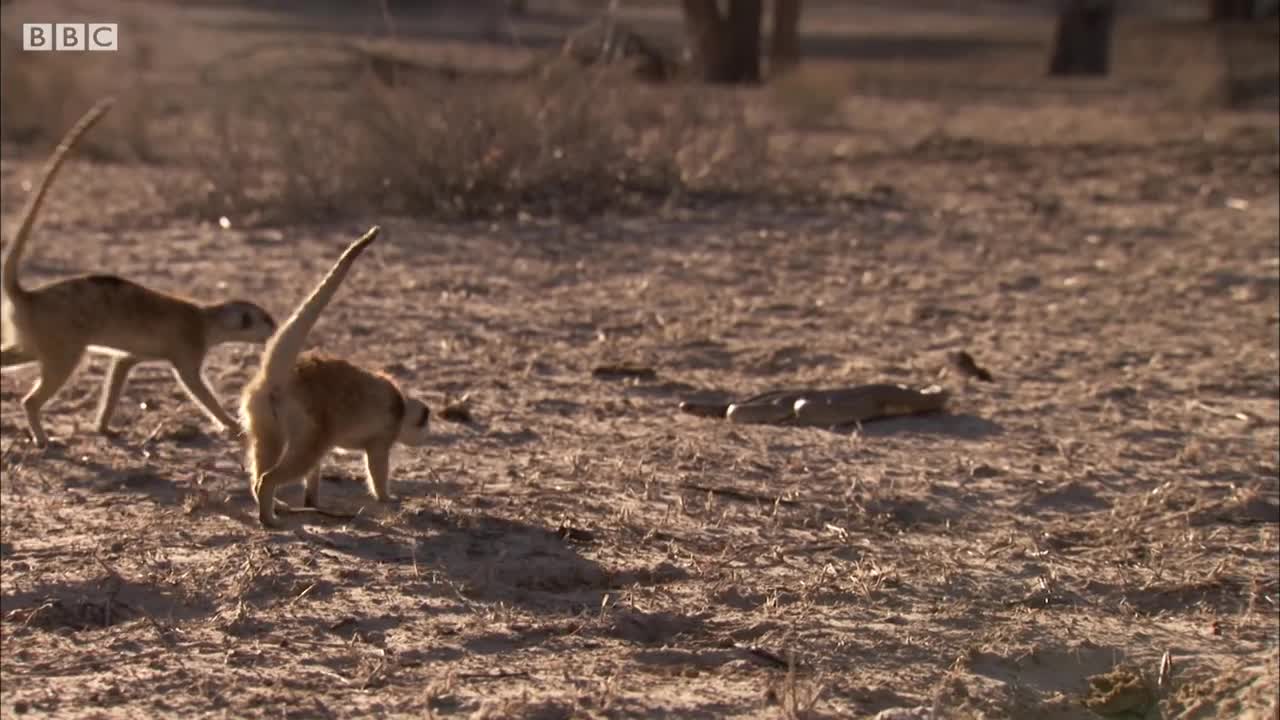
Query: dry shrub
{"x": 38, "y": 93}
{"x": 810, "y": 98}
{"x": 300, "y": 135}
{"x": 795, "y": 696}
{"x": 45, "y": 93}
{"x": 566, "y": 143}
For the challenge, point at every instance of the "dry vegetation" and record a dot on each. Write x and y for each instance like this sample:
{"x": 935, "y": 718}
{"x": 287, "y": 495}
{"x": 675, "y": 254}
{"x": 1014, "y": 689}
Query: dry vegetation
{"x": 1093, "y": 535}
{"x": 284, "y": 130}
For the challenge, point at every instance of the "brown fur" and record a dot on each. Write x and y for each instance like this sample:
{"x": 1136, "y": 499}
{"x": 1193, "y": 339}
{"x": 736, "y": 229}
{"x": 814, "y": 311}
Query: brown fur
{"x": 300, "y": 406}
{"x": 55, "y": 324}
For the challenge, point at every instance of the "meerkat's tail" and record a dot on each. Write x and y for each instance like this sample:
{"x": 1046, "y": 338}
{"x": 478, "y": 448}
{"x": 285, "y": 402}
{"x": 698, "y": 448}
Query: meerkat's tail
{"x": 8, "y": 333}
{"x": 9, "y": 273}
{"x": 283, "y": 348}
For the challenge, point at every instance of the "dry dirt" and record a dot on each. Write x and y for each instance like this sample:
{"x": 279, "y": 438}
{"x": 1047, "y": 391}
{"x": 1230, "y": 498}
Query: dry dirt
{"x": 1109, "y": 251}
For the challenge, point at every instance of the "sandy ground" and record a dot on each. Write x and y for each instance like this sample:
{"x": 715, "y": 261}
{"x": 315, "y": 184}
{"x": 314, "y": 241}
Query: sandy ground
{"x": 587, "y": 551}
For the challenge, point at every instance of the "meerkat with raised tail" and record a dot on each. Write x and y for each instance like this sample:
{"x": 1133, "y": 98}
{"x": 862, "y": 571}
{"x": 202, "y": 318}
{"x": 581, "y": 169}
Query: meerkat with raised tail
{"x": 55, "y": 324}
{"x": 299, "y": 406}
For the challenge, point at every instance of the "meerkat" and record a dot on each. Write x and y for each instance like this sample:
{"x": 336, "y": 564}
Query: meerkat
{"x": 55, "y": 324}
{"x": 300, "y": 406}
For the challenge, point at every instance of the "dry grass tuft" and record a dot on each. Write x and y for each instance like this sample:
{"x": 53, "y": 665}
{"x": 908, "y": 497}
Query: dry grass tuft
{"x": 46, "y": 92}
{"x": 811, "y": 98}
{"x": 794, "y": 694}
{"x": 570, "y": 143}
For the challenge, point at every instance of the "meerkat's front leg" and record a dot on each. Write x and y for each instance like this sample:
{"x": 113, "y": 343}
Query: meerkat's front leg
{"x": 117, "y": 374}
{"x": 377, "y": 462}
{"x": 192, "y": 379}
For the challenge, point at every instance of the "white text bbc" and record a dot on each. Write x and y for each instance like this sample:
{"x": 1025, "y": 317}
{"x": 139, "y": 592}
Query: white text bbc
{"x": 70, "y": 37}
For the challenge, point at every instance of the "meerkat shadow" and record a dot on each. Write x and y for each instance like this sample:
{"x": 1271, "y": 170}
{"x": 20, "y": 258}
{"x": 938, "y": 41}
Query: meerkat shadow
{"x": 344, "y": 496}
{"x": 960, "y": 426}
{"x": 488, "y": 558}
{"x": 342, "y": 491}
{"x": 106, "y": 480}
{"x": 187, "y": 437}
{"x": 105, "y": 599}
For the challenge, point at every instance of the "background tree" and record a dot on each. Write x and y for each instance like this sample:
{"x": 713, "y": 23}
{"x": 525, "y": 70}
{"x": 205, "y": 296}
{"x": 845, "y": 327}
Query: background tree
{"x": 726, "y": 47}
{"x": 1082, "y": 42}
{"x": 784, "y": 48}
{"x": 1231, "y": 9}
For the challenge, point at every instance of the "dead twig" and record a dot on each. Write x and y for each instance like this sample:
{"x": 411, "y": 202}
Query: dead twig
{"x": 1241, "y": 415}
{"x": 616, "y": 372}
{"x": 493, "y": 675}
{"x": 741, "y": 495}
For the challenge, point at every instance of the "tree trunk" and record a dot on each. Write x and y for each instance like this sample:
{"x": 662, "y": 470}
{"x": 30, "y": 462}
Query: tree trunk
{"x": 784, "y": 50}
{"x": 1082, "y": 44}
{"x": 744, "y": 34}
{"x": 1230, "y": 10}
{"x": 726, "y": 49}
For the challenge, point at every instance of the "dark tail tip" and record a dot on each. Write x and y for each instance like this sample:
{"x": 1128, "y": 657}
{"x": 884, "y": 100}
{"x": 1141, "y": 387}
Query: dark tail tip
{"x": 359, "y": 245}
{"x": 99, "y": 109}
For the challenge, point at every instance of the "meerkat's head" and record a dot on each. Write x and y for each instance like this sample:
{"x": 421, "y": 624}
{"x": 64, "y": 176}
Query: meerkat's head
{"x": 414, "y": 422}
{"x": 240, "y": 321}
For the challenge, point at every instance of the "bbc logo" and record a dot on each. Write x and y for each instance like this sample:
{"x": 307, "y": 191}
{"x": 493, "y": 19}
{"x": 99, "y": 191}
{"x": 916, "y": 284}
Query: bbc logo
{"x": 70, "y": 37}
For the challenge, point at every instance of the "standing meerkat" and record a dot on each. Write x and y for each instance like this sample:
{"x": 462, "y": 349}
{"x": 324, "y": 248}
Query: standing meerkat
{"x": 301, "y": 405}
{"x": 55, "y": 324}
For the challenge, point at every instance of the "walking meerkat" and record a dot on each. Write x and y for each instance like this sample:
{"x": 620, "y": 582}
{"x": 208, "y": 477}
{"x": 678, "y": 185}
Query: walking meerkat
{"x": 55, "y": 324}
{"x": 301, "y": 405}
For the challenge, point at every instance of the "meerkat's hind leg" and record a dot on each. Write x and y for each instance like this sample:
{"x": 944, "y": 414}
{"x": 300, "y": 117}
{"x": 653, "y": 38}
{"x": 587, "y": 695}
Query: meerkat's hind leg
{"x": 265, "y": 447}
{"x": 311, "y": 495}
{"x": 377, "y": 462}
{"x": 302, "y": 453}
{"x": 112, "y": 387}
{"x": 191, "y": 378}
{"x": 54, "y": 373}
{"x": 13, "y": 356}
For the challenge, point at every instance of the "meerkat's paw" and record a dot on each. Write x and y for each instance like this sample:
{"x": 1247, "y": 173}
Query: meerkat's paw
{"x": 51, "y": 447}
{"x": 231, "y": 432}
{"x": 105, "y": 429}
{"x": 269, "y": 520}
